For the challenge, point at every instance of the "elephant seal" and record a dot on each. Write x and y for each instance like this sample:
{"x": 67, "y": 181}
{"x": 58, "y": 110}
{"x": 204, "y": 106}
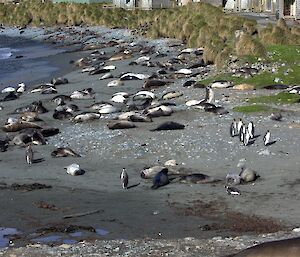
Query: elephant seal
{"x": 3, "y": 144}
{"x": 123, "y": 124}
{"x": 169, "y": 125}
{"x": 30, "y": 116}
{"x": 198, "y": 178}
{"x": 280, "y": 248}
{"x": 64, "y": 152}
{"x": 158, "y": 111}
{"x": 171, "y": 95}
{"x": 60, "y": 115}
{"x": 74, "y": 170}
{"x": 29, "y": 136}
{"x": 248, "y": 175}
{"x": 36, "y": 106}
{"x": 153, "y": 83}
{"x": 59, "y": 81}
{"x": 160, "y": 179}
{"x": 86, "y": 116}
{"x": 19, "y": 125}
{"x": 221, "y": 84}
{"x": 151, "y": 172}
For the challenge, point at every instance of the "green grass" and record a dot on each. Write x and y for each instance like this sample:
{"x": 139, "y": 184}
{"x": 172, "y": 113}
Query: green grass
{"x": 287, "y": 54}
{"x": 197, "y": 25}
{"x": 281, "y": 98}
{"x": 254, "y": 108}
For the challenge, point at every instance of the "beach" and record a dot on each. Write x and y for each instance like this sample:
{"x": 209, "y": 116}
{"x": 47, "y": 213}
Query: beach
{"x": 173, "y": 212}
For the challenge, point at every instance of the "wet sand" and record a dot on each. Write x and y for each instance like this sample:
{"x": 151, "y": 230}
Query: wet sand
{"x": 177, "y": 210}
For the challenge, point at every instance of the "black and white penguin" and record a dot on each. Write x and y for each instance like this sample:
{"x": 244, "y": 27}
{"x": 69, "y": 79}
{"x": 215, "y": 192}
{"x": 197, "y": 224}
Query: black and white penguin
{"x": 234, "y": 128}
{"x": 242, "y": 133}
{"x": 246, "y": 138}
{"x": 29, "y": 154}
{"x": 160, "y": 179}
{"x": 267, "y": 137}
{"x": 250, "y": 129}
{"x": 232, "y": 190}
{"x": 239, "y": 126}
{"x": 124, "y": 178}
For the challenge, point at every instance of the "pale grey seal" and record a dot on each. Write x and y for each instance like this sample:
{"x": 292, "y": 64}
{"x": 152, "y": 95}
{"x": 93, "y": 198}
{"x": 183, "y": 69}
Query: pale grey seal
{"x": 123, "y": 124}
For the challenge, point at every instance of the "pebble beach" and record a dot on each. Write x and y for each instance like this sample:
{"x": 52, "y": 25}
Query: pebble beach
{"x": 179, "y": 219}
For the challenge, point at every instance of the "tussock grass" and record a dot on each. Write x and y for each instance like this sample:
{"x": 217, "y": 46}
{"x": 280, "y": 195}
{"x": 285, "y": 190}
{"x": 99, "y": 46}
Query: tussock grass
{"x": 197, "y": 24}
{"x": 254, "y": 108}
{"x": 281, "y": 98}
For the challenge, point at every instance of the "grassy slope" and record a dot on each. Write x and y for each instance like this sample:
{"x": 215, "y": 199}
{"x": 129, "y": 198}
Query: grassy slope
{"x": 199, "y": 25}
{"x": 287, "y": 54}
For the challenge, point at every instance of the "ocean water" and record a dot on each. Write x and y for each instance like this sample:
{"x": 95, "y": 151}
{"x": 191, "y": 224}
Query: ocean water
{"x": 24, "y": 60}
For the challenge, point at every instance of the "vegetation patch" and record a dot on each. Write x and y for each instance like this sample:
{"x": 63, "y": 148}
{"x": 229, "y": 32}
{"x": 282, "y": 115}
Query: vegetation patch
{"x": 197, "y": 24}
{"x": 254, "y": 108}
{"x": 281, "y": 98}
{"x": 287, "y": 60}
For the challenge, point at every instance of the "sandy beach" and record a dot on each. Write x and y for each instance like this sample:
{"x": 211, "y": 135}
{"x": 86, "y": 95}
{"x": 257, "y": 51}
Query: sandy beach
{"x": 175, "y": 211}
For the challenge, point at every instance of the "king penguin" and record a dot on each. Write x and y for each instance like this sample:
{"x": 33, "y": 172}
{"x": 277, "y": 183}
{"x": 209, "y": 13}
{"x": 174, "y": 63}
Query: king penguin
{"x": 124, "y": 178}
{"x": 251, "y": 129}
{"x": 29, "y": 154}
{"x": 267, "y": 137}
{"x": 234, "y": 128}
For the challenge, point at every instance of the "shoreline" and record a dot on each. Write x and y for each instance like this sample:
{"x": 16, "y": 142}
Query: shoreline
{"x": 204, "y": 146}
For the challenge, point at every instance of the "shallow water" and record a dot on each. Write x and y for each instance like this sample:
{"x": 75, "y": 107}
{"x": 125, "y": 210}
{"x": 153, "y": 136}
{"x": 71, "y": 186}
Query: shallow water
{"x": 25, "y": 59}
{"x": 4, "y": 235}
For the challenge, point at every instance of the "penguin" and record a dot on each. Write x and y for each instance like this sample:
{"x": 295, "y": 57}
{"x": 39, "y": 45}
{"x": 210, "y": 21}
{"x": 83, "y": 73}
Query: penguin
{"x": 232, "y": 190}
{"x": 251, "y": 129}
{"x": 29, "y": 154}
{"x": 247, "y": 137}
{"x": 239, "y": 126}
{"x": 242, "y": 133}
{"x": 233, "y": 128}
{"x": 267, "y": 137}
{"x": 124, "y": 178}
{"x": 160, "y": 179}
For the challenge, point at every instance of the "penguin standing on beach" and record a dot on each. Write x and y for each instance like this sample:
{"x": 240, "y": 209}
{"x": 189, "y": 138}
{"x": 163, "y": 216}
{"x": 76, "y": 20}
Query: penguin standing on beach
{"x": 232, "y": 190}
{"x": 239, "y": 126}
{"x": 29, "y": 154}
{"x": 124, "y": 178}
{"x": 267, "y": 137}
{"x": 246, "y": 138}
{"x": 250, "y": 129}
{"x": 234, "y": 128}
{"x": 242, "y": 133}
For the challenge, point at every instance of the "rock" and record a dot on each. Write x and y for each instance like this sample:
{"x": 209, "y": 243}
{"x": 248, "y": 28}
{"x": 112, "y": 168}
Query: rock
{"x": 265, "y": 152}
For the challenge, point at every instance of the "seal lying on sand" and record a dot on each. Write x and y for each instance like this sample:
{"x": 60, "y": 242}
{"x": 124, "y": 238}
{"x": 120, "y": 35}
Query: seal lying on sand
{"x": 19, "y": 125}
{"x": 169, "y": 125}
{"x": 64, "y": 152}
{"x": 123, "y": 124}
{"x": 198, "y": 178}
{"x": 160, "y": 179}
{"x": 281, "y": 248}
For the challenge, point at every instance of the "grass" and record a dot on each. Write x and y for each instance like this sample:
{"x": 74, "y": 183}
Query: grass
{"x": 254, "y": 108}
{"x": 289, "y": 55}
{"x": 281, "y": 98}
{"x": 196, "y": 24}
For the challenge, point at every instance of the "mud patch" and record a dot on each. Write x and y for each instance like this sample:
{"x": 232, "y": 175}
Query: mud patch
{"x": 223, "y": 219}
{"x": 24, "y": 187}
